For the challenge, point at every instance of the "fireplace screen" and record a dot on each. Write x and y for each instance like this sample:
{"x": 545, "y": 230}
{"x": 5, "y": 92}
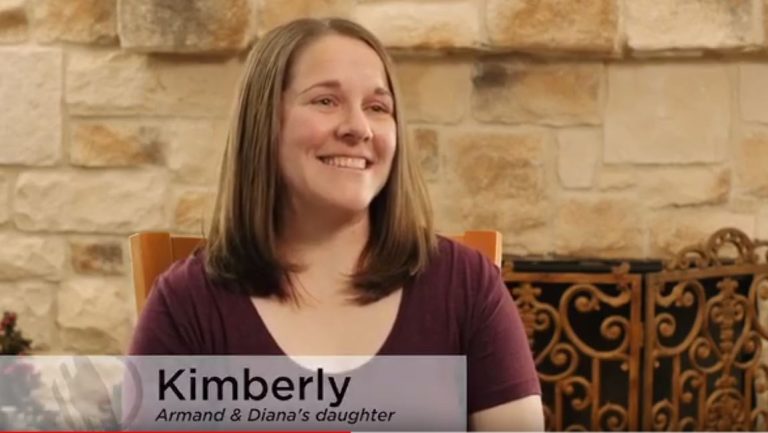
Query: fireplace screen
{"x": 650, "y": 345}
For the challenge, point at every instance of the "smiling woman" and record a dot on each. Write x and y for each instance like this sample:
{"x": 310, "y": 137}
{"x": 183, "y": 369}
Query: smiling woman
{"x": 322, "y": 240}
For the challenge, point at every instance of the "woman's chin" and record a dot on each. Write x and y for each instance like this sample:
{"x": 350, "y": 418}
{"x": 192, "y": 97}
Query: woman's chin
{"x": 350, "y": 206}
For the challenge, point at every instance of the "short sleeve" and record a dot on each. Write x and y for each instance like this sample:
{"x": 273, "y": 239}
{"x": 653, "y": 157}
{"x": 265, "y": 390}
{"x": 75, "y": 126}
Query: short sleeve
{"x": 499, "y": 360}
{"x": 164, "y": 327}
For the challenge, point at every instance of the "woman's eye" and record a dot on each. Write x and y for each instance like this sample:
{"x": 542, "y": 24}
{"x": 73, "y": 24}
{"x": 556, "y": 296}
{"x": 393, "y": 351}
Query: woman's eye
{"x": 380, "y": 108}
{"x": 324, "y": 101}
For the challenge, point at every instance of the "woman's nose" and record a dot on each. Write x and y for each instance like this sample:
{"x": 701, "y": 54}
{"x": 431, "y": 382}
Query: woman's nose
{"x": 355, "y": 126}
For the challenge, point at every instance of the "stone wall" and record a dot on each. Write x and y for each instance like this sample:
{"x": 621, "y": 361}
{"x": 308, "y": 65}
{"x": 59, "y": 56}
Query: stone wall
{"x": 577, "y": 127}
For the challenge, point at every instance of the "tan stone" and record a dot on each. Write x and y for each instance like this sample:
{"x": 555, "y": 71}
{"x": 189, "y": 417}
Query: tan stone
{"x": 5, "y": 198}
{"x": 762, "y": 224}
{"x": 85, "y": 21}
{"x": 753, "y": 162}
{"x": 91, "y": 202}
{"x": 34, "y": 304}
{"x": 740, "y": 203}
{"x": 195, "y": 149}
{"x": 673, "y": 230}
{"x": 28, "y": 256}
{"x": 505, "y": 164}
{"x": 94, "y": 315}
{"x": 274, "y": 13}
{"x": 530, "y": 243}
{"x": 424, "y": 88}
{"x": 685, "y": 186}
{"x": 578, "y": 156}
{"x": 692, "y": 24}
{"x": 14, "y": 25}
{"x": 31, "y": 117}
{"x": 616, "y": 178}
{"x": 191, "y": 149}
{"x": 765, "y": 35}
{"x": 112, "y": 143}
{"x": 493, "y": 180}
{"x": 425, "y": 141}
{"x": 193, "y": 211}
{"x": 546, "y": 93}
{"x": 599, "y": 227}
{"x": 753, "y": 91}
{"x": 185, "y": 25}
{"x": 667, "y": 113}
{"x": 407, "y": 24}
{"x": 553, "y": 25}
{"x": 97, "y": 256}
{"x": 521, "y": 222}
{"x": 105, "y": 82}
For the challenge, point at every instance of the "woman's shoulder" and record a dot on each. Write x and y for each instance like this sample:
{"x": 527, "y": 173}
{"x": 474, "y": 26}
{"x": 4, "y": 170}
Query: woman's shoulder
{"x": 457, "y": 273}
{"x": 186, "y": 279}
{"x": 455, "y": 259}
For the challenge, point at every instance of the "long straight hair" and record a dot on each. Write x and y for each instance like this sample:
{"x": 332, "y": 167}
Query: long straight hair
{"x": 241, "y": 247}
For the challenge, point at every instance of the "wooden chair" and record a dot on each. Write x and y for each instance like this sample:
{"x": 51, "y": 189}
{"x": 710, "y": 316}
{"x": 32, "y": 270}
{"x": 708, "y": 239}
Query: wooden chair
{"x": 153, "y": 252}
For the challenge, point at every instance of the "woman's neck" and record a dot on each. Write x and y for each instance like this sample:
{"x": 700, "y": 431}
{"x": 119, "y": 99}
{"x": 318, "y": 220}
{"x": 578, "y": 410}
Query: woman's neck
{"x": 327, "y": 247}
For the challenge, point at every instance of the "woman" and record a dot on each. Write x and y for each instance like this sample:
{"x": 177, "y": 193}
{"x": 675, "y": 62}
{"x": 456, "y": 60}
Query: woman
{"x": 322, "y": 240}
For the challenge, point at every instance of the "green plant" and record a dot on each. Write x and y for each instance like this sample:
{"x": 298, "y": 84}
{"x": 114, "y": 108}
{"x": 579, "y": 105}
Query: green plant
{"x": 12, "y": 342}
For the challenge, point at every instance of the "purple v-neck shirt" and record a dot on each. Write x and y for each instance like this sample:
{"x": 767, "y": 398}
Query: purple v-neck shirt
{"x": 457, "y": 306}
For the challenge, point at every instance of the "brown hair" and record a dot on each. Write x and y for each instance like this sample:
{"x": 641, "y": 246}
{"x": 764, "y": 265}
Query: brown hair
{"x": 241, "y": 244}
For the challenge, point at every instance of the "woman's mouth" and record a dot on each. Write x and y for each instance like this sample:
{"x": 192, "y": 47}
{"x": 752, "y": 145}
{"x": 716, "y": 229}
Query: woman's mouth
{"x": 346, "y": 162}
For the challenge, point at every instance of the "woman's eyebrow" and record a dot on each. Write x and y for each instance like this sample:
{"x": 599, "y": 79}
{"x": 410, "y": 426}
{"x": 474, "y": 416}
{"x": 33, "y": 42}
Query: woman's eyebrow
{"x": 336, "y": 84}
{"x": 383, "y": 92}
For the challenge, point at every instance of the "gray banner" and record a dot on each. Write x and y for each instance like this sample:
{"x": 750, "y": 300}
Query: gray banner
{"x": 233, "y": 393}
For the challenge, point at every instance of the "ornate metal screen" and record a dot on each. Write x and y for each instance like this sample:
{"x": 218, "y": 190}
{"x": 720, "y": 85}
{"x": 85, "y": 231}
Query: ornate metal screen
{"x": 580, "y": 327}
{"x": 705, "y": 337}
{"x": 690, "y": 353}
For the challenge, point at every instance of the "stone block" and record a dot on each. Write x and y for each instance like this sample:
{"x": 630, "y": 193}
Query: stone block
{"x": 5, "y": 197}
{"x": 106, "y": 82}
{"x": 599, "y": 227}
{"x": 675, "y": 229}
{"x": 692, "y": 24}
{"x": 753, "y": 91}
{"x": 542, "y": 93}
{"x": 26, "y": 256}
{"x": 667, "y": 113}
{"x": 31, "y": 118}
{"x": 424, "y": 88}
{"x": 193, "y": 211}
{"x": 752, "y": 162}
{"x": 14, "y": 24}
{"x": 435, "y": 25}
{"x": 115, "y": 143}
{"x": 80, "y": 21}
{"x": 493, "y": 180}
{"x": 94, "y": 315}
{"x": 91, "y": 202}
{"x": 554, "y": 25}
{"x": 271, "y": 14}
{"x": 185, "y": 26}
{"x": 425, "y": 141}
{"x": 578, "y": 157}
{"x": 97, "y": 256}
{"x": 194, "y": 149}
{"x": 685, "y": 186}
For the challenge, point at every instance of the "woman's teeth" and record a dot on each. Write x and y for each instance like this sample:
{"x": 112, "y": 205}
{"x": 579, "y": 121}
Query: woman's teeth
{"x": 345, "y": 162}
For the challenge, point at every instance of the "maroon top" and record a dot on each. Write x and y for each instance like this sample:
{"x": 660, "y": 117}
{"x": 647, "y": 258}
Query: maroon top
{"x": 457, "y": 306}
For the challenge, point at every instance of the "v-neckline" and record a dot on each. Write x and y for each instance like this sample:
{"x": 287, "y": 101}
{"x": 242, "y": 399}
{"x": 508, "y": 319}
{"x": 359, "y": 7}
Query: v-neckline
{"x": 260, "y": 327}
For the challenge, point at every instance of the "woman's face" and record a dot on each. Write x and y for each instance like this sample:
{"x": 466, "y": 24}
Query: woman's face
{"x": 338, "y": 130}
